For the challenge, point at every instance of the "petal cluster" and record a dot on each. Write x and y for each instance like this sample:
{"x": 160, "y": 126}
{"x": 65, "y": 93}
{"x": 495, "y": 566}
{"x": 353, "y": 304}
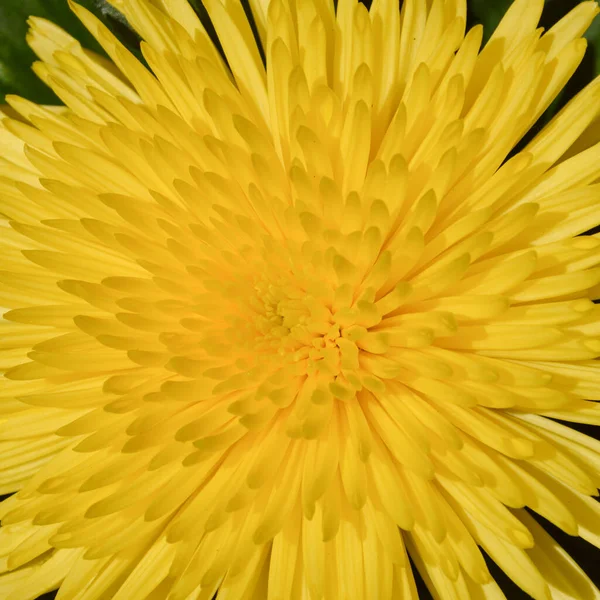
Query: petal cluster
{"x": 273, "y": 327}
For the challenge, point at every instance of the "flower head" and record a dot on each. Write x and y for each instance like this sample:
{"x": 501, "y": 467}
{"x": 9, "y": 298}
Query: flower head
{"x": 271, "y": 331}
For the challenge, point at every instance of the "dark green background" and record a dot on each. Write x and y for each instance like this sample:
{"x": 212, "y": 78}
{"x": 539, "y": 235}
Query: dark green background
{"x": 16, "y": 77}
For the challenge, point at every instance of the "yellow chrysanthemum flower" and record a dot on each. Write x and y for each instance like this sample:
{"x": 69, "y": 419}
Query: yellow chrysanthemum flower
{"x": 270, "y": 332}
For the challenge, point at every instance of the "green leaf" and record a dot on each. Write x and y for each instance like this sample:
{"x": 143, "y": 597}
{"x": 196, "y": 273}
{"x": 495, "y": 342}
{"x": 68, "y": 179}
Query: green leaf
{"x": 16, "y": 76}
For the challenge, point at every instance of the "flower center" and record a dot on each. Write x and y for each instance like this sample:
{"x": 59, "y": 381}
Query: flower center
{"x": 303, "y": 327}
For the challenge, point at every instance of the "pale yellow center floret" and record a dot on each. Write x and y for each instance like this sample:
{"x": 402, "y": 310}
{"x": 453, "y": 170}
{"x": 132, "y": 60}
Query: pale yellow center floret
{"x": 306, "y": 328}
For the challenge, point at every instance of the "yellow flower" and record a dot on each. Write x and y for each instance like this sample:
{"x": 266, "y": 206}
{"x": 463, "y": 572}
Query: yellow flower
{"x": 270, "y": 332}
